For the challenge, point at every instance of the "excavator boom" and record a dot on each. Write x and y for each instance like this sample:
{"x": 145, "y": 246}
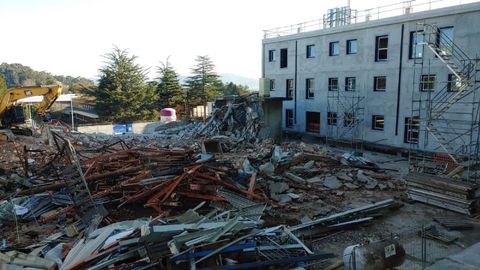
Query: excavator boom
{"x": 9, "y": 115}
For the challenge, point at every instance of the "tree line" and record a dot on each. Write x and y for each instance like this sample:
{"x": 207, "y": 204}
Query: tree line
{"x": 18, "y": 75}
{"x": 124, "y": 94}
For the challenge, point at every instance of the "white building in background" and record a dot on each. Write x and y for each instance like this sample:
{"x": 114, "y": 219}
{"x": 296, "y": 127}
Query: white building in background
{"x": 371, "y": 76}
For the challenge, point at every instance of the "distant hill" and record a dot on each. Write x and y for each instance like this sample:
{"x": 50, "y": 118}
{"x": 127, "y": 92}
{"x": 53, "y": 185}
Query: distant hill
{"x": 237, "y": 79}
{"x": 18, "y": 75}
{"x": 229, "y": 77}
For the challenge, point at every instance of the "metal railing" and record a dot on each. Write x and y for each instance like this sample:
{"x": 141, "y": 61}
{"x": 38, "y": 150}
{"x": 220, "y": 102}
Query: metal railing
{"x": 360, "y": 16}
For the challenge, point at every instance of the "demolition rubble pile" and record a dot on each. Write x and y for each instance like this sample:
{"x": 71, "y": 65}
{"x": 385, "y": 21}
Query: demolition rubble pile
{"x": 458, "y": 196}
{"x": 100, "y": 204}
{"x": 236, "y": 123}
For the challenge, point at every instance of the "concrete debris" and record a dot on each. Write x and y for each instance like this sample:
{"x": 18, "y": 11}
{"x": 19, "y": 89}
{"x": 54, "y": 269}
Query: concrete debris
{"x": 332, "y": 182}
{"x": 196, "y": 194}
{"x": 278, "y": 187}
{"x": 455, "y": 195}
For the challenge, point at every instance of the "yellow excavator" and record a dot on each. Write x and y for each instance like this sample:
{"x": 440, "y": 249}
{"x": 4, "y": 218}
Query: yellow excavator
{"x": 12, "y": 116}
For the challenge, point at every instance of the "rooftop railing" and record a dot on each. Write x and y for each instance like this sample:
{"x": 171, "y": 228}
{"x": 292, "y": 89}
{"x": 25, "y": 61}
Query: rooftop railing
{"x": 345, "y": 16}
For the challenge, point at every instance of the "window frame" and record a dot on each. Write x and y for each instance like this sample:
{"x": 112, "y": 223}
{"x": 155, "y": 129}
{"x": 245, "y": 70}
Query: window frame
{"x": 348, "y": 120}
{"x": 375, "y": 84}
{"x": 271, "y": 56}
{"x": 331, "y": 48}
{"x": 411, "y": 126}
{"x": 307, "y": 123}
{"x": 284, "y": 58}
{"x": 349, "y": 46}
{"x": 332, "y": 119}
{"x": 378, "y": 49}
{"x": 374, "y": 122}
{"x": 347, "y": 88}
{"x": 272, "y": 85}
{"x": 311, "y": 51}
{"x": 330, "y": 84}
{"x": 289, "y": 91}
{"x": 447, "y": 51}
{"x": 288, "y": 118}
{"x": 309, "y": 88}
{"x": 452, "y": 80}
{"x": 423, "y": 82}
{"x": 412, "y": 49}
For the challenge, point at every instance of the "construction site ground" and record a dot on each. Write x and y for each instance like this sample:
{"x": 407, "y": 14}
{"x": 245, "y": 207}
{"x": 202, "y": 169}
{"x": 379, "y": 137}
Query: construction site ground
{"x": 314, "y": 200}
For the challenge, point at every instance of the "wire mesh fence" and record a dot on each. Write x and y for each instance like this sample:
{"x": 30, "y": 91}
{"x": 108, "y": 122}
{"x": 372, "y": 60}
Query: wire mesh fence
{"x": 424, "y": 246}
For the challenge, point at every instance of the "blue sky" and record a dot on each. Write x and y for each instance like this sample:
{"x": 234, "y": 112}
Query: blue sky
{"x": 69, "y": 37}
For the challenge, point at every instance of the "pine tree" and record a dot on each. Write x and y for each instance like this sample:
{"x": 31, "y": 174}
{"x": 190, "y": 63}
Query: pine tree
{"x": 204, "y": 83}
{"x": 122, "y": 93}
{"x": 169, "y": 89}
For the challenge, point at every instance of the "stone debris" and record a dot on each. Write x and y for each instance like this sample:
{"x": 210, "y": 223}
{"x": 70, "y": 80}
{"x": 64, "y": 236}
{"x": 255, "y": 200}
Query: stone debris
{"x": 191, "y": 191}
{"x": 332, "y": 182}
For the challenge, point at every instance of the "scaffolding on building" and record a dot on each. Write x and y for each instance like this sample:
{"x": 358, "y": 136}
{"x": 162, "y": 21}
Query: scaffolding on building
{"x": 345, "y": 115}
{"x": 443, "y": 130}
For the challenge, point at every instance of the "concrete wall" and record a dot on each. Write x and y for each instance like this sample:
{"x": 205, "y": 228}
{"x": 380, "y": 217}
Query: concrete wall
{"x": 402, "y": 83}
{"x": 138, "y": 128}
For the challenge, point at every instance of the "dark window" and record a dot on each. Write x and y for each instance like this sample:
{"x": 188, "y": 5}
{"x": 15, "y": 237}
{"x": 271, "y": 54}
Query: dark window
{"x": 347, "y": 119}
{"x": 379, "y": 83}
{"x": 272, "y": 85}
{"x": 288, "y": 118}
{"x": 332, "y": 84}
{"x": 334, "y": 48}
{"x": 271, "y": 56}
{"x": 416, "y": 49}
{"x": 427, "y": 83}
{"x": 313, "y": 122}
{"x": 350, "y": 83}
{"x": 445, "y": 40}
{"x": 289, "y": 84}
{"x": 283, "y": 58}
{"x": 453, "y": 84}
{"x": 352, "y": 46}
{"x": 332, "y": 118}
{"x": 378, "y": 122}
{"x": 309, "y": 87}
{"x": 381, "y": 48}
{"x": 310, "y": 51}
{"x": 412, "y": 127}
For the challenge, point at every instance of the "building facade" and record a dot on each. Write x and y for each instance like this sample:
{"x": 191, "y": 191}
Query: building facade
{"x": 395, "y": 81}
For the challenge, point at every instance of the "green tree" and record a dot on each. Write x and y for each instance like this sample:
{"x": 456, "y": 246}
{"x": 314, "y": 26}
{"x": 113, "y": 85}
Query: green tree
{"x": 231, "y": 88}
{"x": 204, "y": 83}
{"x": 3, "y": 84}
{"x": 122, "y": 93}
{"x": 169, "y": 89}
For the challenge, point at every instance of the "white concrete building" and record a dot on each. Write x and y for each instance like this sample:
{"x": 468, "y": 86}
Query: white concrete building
{"x": 354, "y": 76}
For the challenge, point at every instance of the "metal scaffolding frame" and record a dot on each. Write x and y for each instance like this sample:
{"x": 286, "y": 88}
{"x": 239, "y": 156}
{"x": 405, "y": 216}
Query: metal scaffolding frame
{"x": 349, "y": 107}
{"x": 446, "y": 119}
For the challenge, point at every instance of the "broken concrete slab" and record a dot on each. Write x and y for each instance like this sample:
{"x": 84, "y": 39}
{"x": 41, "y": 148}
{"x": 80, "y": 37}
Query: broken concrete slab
{"x": 362, "y": 178}
{"x": 382, "y": 186}
{"x": 267, "y": 168}
{"x": 295, "y": 178}
{"x": 332, "y": 182}
{"x": 309, "y": 165}
{"x": 372, "y": 184}
{"x": 278, "y": 187}
{"x": 281, "y": 198}
{"x": 344, "y": 177}
{"x": 351, "y": 186}
{"x": 294, "y": 196}
{"x": 316, "y": 179}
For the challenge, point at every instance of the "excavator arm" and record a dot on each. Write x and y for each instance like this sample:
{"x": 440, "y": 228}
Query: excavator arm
{"x": 9, "y": 98}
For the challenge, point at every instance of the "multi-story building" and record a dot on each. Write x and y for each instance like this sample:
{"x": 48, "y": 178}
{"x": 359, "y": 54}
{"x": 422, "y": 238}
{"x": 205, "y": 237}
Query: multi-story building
{"x": 404, "y": 80}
